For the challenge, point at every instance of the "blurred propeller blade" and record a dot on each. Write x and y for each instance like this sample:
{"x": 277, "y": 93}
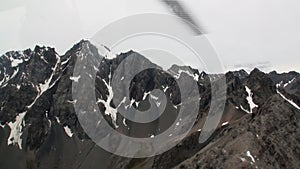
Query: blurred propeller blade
{"x": 179, "y": 10}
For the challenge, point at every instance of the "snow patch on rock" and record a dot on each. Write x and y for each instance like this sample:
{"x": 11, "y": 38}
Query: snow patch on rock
{"x": 225, "y": 123}
{"x": 124, "y": 122}
{"x": 249, "y": 155}
{"x": 250, "y": 99}
{"x": 68, "y": 131}
{"x": 75, "y": 79}
{"x": 16, "y": 130}
{"x": 16, "y": 62}
{"x": 112, "y": 112}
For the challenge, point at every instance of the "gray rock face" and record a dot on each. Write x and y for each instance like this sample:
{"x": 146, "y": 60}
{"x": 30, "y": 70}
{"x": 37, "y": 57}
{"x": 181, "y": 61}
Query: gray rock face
{"x": 40, "y": 129}
{"x": 269, "y": 140}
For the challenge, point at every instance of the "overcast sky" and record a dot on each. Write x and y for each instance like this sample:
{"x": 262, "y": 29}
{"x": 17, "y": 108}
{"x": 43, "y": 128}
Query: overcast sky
{"x": 265, "y": 34}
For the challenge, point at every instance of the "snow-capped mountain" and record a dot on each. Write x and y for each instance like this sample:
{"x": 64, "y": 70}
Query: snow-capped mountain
{"x": 39, "y": 127}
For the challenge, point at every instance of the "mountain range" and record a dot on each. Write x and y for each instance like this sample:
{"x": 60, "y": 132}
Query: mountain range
{"x": 39, "y": 127}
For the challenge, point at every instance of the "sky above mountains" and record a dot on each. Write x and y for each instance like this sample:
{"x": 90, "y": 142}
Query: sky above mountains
{"x": 246, "y": 34}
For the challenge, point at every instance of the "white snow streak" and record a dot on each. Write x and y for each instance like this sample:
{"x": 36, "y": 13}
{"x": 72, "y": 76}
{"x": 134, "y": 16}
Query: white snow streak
{"x": 57, "y": 119}
{"x": 96, "y": 69}
{"x": 245, "y": 109}
{"x": 3, "y": 79}
{"x": 66, "y": 61}
{"x": 7, "y": 78}
{"x": 250, "y": 99}
{"x": 153, "y": 97}
{"x": 124, "y": 122}
{"x": 178, "y": 74}
{"x": 145, "y": 95}
{"x": 225, "y": 123}
{"x": 137, "y": 103}
{"x": 72, "y": 101}
{"x": 289, "y": 82}
{"x": 18, "y": 86}
{"x": 249, "y": 155}
{"x": 16, "y": 130}
{"x": 165, "y": 88}
{"x": 42, "y": 87}
{"x": 290, "y": 101}
{"x": 75, "y": 79}
{"x": 156, "y": 100}
{"x": 109, "y": 110}
{"x": 68, "y": 131}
